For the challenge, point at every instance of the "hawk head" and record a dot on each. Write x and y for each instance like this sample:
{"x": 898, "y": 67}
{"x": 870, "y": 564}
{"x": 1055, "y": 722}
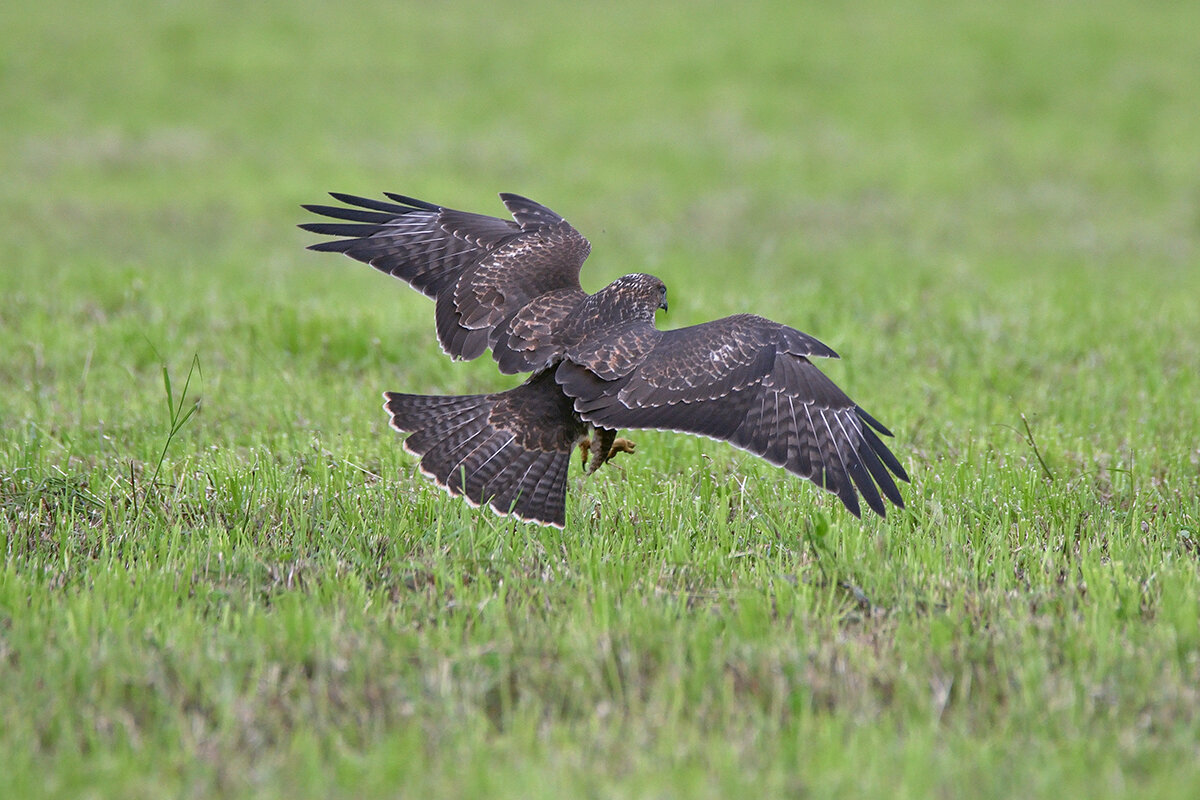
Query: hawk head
{"x": 641, "y": 293}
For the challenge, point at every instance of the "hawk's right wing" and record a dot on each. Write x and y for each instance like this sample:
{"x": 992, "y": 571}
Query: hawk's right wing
{"x": 481, "y": 270}
{"x": 748, "y": 381}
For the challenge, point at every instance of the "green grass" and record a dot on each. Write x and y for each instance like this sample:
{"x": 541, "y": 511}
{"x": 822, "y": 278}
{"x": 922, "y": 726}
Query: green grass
{"x": 991, "y": 212}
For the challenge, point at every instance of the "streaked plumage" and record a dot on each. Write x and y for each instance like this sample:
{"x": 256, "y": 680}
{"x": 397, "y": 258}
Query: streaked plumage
{"x": 597, "y": 361}
{"x": 509, "y": 449}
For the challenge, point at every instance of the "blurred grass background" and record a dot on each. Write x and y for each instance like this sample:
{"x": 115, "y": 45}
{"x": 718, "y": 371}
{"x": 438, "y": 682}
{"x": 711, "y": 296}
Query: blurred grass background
{"x": 990, "y": 210}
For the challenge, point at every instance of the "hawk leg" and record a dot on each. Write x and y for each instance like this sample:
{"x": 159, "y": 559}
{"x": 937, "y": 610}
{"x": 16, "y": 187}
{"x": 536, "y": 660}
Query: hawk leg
{"x": 605, "y": 445}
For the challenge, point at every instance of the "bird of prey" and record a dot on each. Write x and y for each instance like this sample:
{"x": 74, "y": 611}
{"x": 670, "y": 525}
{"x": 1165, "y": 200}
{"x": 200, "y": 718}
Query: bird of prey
{"x": 598, "y": 363}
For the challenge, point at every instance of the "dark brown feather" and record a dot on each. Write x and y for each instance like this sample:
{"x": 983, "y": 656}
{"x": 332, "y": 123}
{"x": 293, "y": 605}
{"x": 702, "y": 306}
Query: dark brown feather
{"x": 509, "y": 450}
{"x": 482, "y": 271}
{"x": 747, "y": 380}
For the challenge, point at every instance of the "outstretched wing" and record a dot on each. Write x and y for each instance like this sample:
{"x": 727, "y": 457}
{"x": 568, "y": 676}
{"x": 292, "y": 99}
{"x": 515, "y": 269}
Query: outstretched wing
{"x": 748, "y": 381}
{"x": 481, "y": 271}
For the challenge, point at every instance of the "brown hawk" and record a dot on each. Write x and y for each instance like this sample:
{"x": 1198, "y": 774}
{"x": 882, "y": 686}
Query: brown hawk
{"x": 598, "y": 363}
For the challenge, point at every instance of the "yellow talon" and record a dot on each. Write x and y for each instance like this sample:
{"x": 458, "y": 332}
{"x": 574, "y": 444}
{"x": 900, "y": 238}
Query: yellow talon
{"x": 621, "y": 445}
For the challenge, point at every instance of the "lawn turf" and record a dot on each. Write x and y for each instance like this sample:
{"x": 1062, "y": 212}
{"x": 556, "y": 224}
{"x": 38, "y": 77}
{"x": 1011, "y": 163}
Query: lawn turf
{"x": 990, "y": 211}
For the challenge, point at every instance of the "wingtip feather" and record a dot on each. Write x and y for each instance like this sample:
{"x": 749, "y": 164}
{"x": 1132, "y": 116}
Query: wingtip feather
{"x": 412, "y": 201}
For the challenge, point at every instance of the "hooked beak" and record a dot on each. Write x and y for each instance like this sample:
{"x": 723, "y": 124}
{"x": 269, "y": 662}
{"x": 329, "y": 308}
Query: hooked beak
{"x": 663, "y": 304}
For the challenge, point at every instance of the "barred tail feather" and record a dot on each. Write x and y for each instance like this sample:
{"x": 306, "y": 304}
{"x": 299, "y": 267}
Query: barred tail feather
{"x": 466, "y": 447}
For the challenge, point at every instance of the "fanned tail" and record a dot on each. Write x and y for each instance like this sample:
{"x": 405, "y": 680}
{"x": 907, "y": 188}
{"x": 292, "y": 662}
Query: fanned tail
{"x": 508, "y": 450}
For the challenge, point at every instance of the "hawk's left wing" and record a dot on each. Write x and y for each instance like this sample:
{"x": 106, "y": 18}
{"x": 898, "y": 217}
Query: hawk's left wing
{"x": 481, "y": 270}
{"x": 747, "y": 380}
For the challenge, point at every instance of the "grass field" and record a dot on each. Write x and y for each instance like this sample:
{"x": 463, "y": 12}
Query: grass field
{"x": 237, "y": 584}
